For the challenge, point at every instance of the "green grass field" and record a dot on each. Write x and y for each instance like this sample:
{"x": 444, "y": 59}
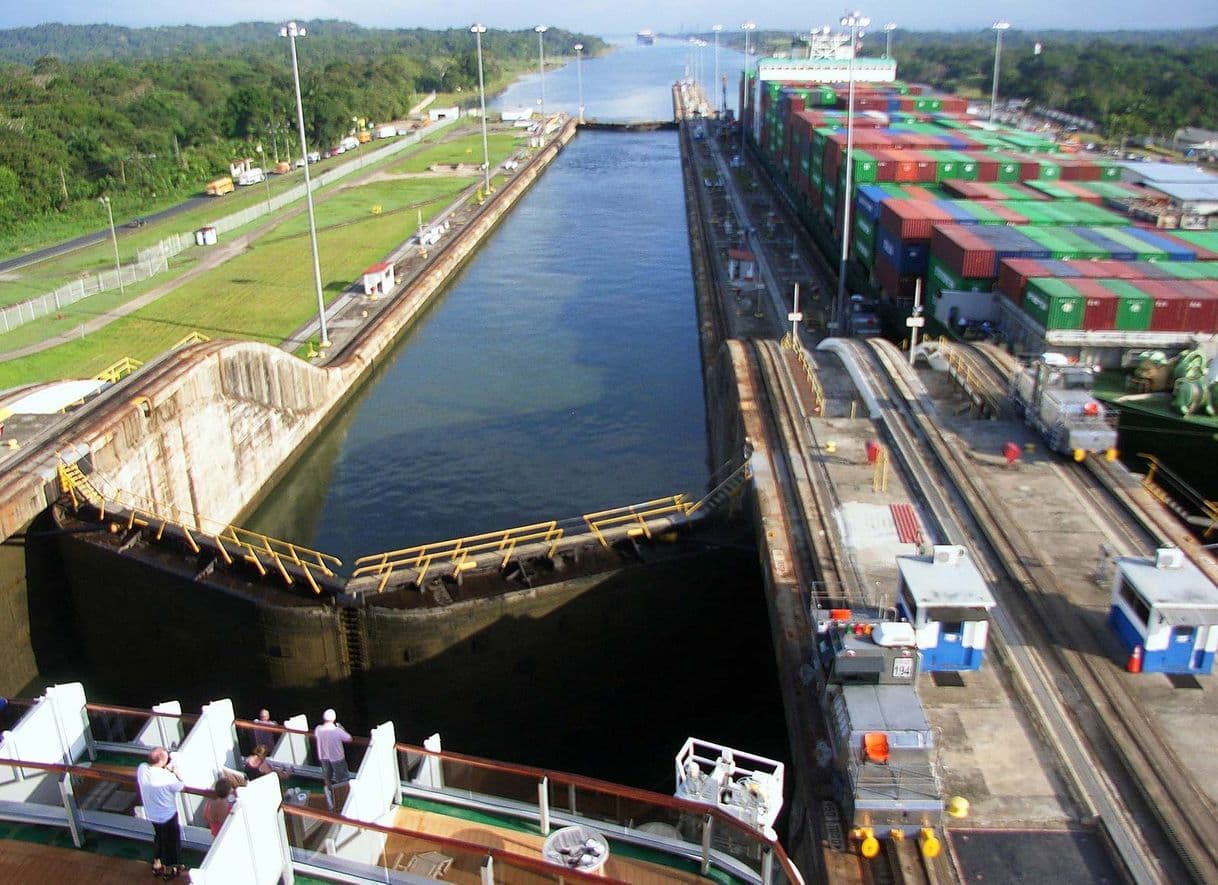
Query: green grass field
{"x": 263, "y": 295}
{"x": 45, "y": 276}
{"x": 467, "y": 149}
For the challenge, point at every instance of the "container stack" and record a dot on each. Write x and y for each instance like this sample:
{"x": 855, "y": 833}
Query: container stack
{"x": 970, "y": 209}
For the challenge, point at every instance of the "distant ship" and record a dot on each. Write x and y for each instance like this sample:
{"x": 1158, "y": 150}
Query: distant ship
{"x": 646, "y": 37}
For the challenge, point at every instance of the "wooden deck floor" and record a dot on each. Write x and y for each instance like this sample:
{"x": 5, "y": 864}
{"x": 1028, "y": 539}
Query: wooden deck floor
{"x": 465, "y": 869}
{"x": 32, "y": 863}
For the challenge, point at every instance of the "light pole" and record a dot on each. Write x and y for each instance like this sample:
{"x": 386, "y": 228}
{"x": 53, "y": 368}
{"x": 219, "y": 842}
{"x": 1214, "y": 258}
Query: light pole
{"x": 854, "y": 21}
{"x": 579, "y": 76}
{"x": 118, "y": 267}
{"x": 748, "y": 28}
{"x": 292, "y": 31}
{"x": 999, "y": 26}
{"x": 266, "y": 179}
{"x": 715, "y": 84}
{"x": 541, "y": 66}
{"x": 479, "y": 30}
{"x": 888, "y": 29}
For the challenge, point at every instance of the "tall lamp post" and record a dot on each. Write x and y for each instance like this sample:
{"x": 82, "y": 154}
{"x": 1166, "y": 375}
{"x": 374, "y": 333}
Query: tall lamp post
{"x": 748, "y": 28}
{"x": 541, "y": 66}
{"x": 479, "y": 30}
{"x": 888, "y": 29}
{"x": 855, "y": 21}
{"x": 999, "y": 26}
{"x": 292, "y": 31}
{"x": 118, "y": 267}
{"x": 715, "y": 84}
{"x": 579, "y": 77}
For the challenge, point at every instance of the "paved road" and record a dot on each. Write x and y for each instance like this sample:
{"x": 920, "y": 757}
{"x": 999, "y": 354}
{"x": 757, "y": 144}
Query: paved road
{"x": 90, "y": 239}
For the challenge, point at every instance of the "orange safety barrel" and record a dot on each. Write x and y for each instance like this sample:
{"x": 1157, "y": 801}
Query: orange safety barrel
{"x": 875, "y": 745}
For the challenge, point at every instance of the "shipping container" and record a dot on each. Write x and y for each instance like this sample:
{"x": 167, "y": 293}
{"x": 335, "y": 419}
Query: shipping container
{"x": 908, "y": 258}
{"x": 912, "y": 220}
{"x": 1054, "y": 304}
{"x": 1099, "y": 304}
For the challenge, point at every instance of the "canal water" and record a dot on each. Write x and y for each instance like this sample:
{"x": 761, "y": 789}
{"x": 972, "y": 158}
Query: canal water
{"x": 557, "y": 375}
{"x": 629, "y": 84}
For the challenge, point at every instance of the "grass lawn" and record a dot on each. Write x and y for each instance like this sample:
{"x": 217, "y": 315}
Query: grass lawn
{"x": 46, "y": 276}
{"x": 264, "y": 294}
{"x": 467, "y": 149}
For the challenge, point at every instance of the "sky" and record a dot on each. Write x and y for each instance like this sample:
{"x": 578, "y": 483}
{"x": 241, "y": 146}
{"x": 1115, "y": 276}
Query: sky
{"x": 621, "y": 16}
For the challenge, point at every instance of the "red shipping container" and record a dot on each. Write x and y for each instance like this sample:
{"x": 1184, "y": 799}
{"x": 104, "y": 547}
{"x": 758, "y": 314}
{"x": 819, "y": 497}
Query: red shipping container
{"x": 916, "y": 192}
{"x": 905, "y": 170}
{"x": 1170, "y": 306}
{"x": 1099, "y": 305}
{"x": 1079, "y": 170}
{"x": 987, "y": 169}
{"x": 1013, "y": 276}
{"x": 961, "y": 250}
{"x": 911, "y": 220}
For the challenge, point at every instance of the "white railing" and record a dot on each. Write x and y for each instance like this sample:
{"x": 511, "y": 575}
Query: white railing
{"x": 155, "y": 259}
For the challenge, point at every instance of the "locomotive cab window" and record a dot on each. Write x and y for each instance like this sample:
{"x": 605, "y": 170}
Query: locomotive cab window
{"x": 1137, "y": 605}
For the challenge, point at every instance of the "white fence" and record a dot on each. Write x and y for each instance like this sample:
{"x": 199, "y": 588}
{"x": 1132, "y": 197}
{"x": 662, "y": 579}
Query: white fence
{"x": 155, "y": 259}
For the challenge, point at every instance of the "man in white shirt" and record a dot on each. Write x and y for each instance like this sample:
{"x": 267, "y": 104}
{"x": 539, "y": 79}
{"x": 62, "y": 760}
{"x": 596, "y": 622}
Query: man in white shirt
{"x": 159, "y": 785}
{"x": 331, "y": 737}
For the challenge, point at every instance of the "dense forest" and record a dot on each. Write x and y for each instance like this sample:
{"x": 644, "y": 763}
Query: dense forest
{"x": 150, "y": 114}
{"x": 1129, "y": 83}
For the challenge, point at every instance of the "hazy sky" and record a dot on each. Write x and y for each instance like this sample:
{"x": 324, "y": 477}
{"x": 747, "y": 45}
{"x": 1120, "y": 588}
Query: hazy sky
{"x": 621, "y": 16}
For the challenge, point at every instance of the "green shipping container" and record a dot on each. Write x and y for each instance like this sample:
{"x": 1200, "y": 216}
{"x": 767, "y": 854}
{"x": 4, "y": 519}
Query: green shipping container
{"x": 864, "y": 167}
{"x": 944, "y": 278}
{"x": 1133, "y": 306}
{"x": 1008, "y": 170}
{"x": 1142, "y": 250}
{"x": 1054, "y": 304}
{"x": 1046, "y": 237}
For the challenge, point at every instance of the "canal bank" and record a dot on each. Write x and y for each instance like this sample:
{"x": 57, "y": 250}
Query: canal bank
{"x": 196, "y": 435}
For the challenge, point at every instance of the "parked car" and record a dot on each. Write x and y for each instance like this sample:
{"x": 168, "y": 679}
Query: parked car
{"x": 136, "y": 222}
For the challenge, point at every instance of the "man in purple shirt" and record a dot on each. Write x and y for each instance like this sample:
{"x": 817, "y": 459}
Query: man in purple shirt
{"x": 331, "y": 737}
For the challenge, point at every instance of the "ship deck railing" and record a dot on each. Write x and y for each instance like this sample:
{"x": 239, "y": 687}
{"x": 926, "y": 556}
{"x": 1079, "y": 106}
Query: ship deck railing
{"x": 96, "y": 792}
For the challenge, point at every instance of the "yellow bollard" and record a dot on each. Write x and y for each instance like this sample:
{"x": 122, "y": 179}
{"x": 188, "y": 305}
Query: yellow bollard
{"x": 869, "y": 845}
{"x": 1110, "y": 455}
{"x": 830, "y": 447}
{"x": 957, "y": 806}
{"x": 930, "y": 843}
{"x": 1080, "y": 455}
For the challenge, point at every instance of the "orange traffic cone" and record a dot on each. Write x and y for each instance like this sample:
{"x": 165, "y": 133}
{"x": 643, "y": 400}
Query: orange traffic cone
{"x": 1134, "y": 664}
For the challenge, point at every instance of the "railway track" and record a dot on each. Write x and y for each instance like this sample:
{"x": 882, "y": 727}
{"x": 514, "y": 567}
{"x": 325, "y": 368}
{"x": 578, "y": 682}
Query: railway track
{"x": 1117, "y": 729}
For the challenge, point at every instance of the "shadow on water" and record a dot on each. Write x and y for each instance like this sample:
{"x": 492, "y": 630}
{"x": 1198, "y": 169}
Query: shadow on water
{"x": 607, "y": 683}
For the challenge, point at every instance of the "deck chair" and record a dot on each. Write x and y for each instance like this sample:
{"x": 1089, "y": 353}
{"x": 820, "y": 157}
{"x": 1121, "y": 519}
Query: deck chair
{"x": 875, "y": 747}
{"x": 431, "y": 864}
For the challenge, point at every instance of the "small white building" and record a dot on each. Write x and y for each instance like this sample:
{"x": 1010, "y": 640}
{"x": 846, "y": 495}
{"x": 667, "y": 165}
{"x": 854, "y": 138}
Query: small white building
{"x": 205, "y": 236}
{"x": 379, "y": 278}
{"x": 438, "y": 114}
{"x": 741, "y": 264}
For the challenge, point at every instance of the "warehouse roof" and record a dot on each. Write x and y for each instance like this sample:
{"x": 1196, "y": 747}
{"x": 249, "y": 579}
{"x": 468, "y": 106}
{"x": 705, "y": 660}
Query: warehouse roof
{"x": 1155, "y": 173}
{"x": 1186, "y": 192}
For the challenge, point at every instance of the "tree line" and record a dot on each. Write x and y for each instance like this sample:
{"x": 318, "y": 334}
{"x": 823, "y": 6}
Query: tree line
{"x": 144, "y": 115}
{"x": 1127, "y": 82}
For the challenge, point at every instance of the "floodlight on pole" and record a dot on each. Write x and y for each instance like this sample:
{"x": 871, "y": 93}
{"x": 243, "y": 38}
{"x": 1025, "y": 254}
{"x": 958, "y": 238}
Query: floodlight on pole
{"x": 855, "y": 21}
{"x": 748, "y": 28}
{"x": 291, "y": 30}
{"x": 998, "y": 27}
{"x": 479, "y": 30}
{"x": 541, "y": 66}
{"x": 579, "y": 76}
{"x": 888, "y": 29}
{"x": 118, "y": 267}
{"x": 716, "y": 29}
